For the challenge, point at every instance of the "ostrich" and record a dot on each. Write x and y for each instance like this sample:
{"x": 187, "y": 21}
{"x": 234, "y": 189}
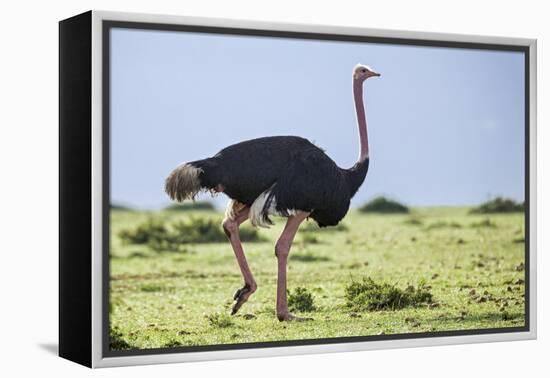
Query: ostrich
{"x": 285, "y": 176}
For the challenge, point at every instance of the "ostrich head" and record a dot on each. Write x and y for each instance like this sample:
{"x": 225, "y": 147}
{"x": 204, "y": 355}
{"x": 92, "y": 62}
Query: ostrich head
{"x": 362, "y": 72}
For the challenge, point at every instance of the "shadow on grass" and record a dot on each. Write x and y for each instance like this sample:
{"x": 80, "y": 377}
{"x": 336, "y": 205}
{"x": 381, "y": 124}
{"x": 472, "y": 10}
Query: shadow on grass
{"x": 490, "y": 317}
{"x": 117, "y": 341}
{"x": 308, "y": 257}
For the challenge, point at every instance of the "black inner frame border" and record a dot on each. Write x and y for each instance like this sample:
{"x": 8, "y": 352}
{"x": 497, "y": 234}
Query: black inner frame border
{"x": 107, "y": 25}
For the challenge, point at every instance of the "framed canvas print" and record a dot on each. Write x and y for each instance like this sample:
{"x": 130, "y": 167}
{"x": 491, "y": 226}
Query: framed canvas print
{"x": 234, "y": 189}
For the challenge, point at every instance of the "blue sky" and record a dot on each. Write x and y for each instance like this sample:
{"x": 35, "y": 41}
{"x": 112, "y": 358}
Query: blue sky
{"x": 445, "y": 125}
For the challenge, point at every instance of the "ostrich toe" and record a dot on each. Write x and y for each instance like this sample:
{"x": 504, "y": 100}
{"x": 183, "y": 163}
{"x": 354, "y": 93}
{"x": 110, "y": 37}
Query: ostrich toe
{"x": 241, "y": 296}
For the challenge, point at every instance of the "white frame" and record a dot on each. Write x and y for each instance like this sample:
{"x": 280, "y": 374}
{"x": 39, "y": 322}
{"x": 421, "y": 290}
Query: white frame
{"x": 99, "y": 361}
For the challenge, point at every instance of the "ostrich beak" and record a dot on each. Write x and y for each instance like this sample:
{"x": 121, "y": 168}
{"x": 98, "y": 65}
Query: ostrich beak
{"x": 371, "y": 73}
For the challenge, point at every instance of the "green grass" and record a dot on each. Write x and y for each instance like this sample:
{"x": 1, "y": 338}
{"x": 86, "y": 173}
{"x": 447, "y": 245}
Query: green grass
{"x": 471, "y": 265}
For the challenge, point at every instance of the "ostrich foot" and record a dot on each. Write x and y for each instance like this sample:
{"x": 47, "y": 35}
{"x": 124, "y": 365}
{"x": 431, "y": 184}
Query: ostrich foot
{"x": 241, "y": 296}
{"x": 287, "y": 317}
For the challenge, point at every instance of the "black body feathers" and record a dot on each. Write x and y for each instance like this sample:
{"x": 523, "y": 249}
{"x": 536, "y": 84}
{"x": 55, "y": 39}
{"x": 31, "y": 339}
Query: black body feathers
{"x": 297, "y": 174}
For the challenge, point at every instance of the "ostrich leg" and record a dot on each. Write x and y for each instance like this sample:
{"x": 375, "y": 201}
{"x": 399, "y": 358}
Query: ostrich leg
{"x": 282, "y": 249}
{"x": 231, "y": 228}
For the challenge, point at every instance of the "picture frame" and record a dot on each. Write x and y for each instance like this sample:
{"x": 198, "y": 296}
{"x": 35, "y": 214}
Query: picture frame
{"x": 85, "y": 152}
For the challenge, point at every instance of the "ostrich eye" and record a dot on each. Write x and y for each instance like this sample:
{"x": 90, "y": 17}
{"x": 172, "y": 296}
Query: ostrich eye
{"x": 363, "y": 70}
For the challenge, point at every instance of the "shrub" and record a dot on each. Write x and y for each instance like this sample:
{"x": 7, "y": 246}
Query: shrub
{"x": 198, "y": 230}
{"x": 187, "y": 206}
{"x": 174, "y": 236}
{"x": 384, "y": 206}
{"x": 301, "y": 300}
{"x": 169, "y": 244}
{"x": 150, "y": 230}
{"x": 369, "y": 295}
{"x": 314, "y": 227}
{"x": 250, "y": 234}
{"x": 498, "y": 205}
{"x": 201, "y": 230}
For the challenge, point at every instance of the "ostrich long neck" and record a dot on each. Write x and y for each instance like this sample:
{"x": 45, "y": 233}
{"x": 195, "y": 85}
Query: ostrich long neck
{"x": 361, "y": 120}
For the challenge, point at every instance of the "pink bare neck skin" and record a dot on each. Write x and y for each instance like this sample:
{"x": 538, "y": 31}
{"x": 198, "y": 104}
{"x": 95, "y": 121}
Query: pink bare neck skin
{"x": 361, "y": 119}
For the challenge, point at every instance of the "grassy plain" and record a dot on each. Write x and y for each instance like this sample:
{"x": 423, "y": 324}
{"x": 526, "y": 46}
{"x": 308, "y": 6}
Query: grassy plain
{"x": 473, "y": 265}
